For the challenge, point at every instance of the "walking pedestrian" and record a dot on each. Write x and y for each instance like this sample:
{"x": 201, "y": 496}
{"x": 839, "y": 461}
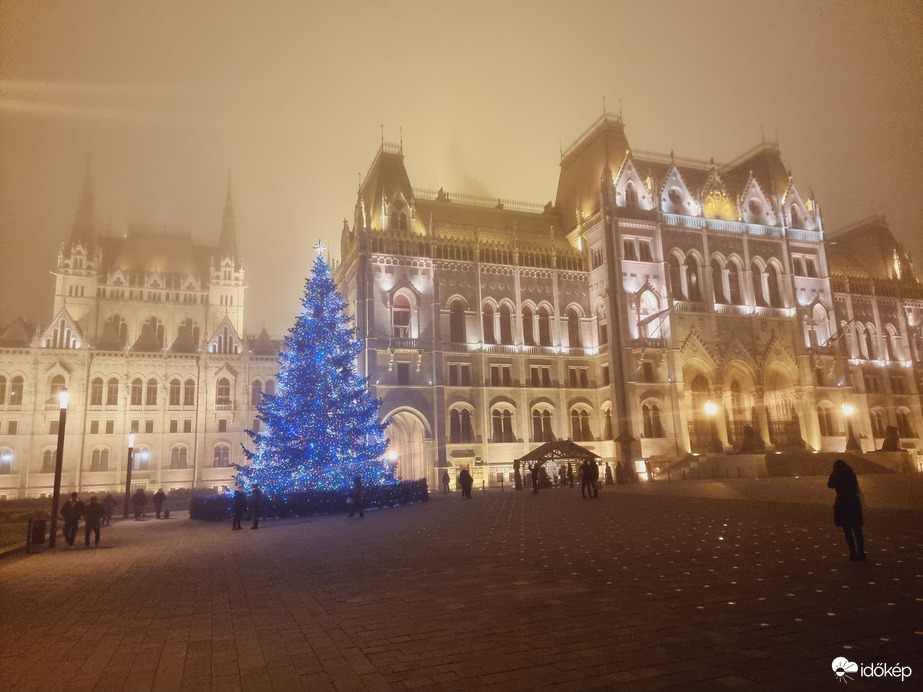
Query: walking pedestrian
{"x": 594, "y": 477}
{"x": 108, "y": 504}
{"x": 256, "y": 501}
{"x": 94, "y": 515}
{"x": 445, "y": 483}
{"x": 583, "y": 473}
{"x": 159, "y": 497}
{"x": 608, "y": 474}
{"x": 71, "y": 511}
{"x": 847, "y": 508}
{"x": 139, "y": 502}
{"x": 238, "y": 506}
{"x": 356, "y": 496}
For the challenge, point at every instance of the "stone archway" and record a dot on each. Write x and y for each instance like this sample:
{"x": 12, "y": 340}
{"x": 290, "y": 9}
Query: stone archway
{"x": 410, "y": 447}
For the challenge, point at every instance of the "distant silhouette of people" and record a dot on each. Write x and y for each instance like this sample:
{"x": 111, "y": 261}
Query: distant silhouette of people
{"x": 159, "y": 497}
{"x": 847, "y": 509}
{"x": 583, "y": 473}
{"x": 570, "y": 475}
{"x": 72, "y": 511}
{"x": 356, "y": 496}
{"x": 108, "y": 504}
{"x": 93, "y": 518}
{"x": 256, "y": 502}
{"x": 238, "y": 507}
{"x": 466, "y": 480}
{"x": 139, "y": 502}
{"x": 445, "y": 483}
{"x": 536, "y": 477}
{"x": 562, "y": 475}
{"x": 593, "y": 469}
{"x": 608, "y": 474}
{"x": 517, "y": 475}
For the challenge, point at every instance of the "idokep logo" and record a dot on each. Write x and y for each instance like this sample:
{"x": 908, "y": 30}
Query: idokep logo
{"x": 842, "y": 667}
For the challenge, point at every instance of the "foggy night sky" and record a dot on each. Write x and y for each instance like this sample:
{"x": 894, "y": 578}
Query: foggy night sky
{"x": 167, "y": 97}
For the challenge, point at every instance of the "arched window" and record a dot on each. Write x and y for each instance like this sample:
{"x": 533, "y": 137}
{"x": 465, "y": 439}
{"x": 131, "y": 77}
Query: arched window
{"x": 862, "y": 341}
{"x": 502, "y": 424}
{"x": 178, "y": 458}
{"x": 99, "y": 461}
{"x": 878, "y": 422}
{"x": 270, "y": 388}
{"x": 904, "y": 429}
{"x": 773, "y": 283}
{"x": 176, "y": 390}
{"x": 676, "y": 277}
{"x": 544, "y": 327}
{"x": 758, "y": 295}
{"x": 112, "y": 392}
{"x": 48, "y": 461}
{"x": 506, "y": 325}
{"x": 400, "y": 317}
{"x": 256, "y": 393}
{"x": 141, "y": 459}
{"x": 189, "y": 393}
{"x": 54, "y": 389}
{"x": 223, "y": 392}
{"x": 541, "y": 426}
{"x": 488, "y": 315}
{"x": 96, "y": 392}
{"x": 693, "y": 277}
{"x": 871, "y": 342}
{"x": 137, "y": 391}
{"x": 457, "y": 323}
{"x": 460, "y": 429}
{"x": 573, "y": 329}
{"x": 717, "y": 280}
{"x": 826, "y": 421}
{"x": 631, "y": 195}
{"x": 607, "y": 430}
{"x": 150, "y": 392}
{"x": 650, "y": 418}
{"x": 454, "y": 426}
{"x": 734, "y": 294}
{"x": 602, "y": 326}
{"x": 528, "y": 327}
{"x": 16, "y": 389}
{"x": 890, "y": 339}
{"x": 221, "y": 456}
{"x": 580, "y": 425}
{"x": 795, "y": 219}
{"x": 2, "y": 390}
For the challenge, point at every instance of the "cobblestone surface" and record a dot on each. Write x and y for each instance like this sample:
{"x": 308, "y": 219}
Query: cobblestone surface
{"x": 696, "y": 585}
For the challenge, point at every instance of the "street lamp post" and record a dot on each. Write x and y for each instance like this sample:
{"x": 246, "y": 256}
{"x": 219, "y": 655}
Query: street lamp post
{"x": 58, "y": 466}
{"x": 131, "y": 451}
{"x": 852, "y": 444}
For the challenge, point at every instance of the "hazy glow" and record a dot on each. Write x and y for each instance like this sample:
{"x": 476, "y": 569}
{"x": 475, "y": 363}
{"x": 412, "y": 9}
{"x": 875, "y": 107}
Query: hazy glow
{"x": 295, "y": 98}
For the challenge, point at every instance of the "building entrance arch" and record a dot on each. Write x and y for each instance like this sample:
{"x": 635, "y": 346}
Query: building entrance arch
{"x": 410, "y": 446}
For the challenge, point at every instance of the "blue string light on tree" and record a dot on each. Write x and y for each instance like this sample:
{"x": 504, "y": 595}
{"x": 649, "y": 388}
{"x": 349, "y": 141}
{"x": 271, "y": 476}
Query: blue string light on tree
{"x": 321, "y": 427}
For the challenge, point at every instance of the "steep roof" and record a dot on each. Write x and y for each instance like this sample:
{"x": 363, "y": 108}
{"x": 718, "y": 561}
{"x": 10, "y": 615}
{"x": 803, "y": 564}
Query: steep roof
{"x": 869, "y": 249}
{"x": 156, "y": 249}
{"x": 263, "y": 345}
{"x": 82, "y": 230}
{"x": 18, "y": 333}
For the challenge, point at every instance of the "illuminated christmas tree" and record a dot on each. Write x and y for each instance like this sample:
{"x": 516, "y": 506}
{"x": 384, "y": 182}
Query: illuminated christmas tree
{"x": 321, "y": 427}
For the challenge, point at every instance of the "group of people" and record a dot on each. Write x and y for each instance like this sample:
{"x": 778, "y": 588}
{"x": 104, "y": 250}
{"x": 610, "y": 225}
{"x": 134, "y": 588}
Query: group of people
{"x": 240, "y": 503}
{"x": 94, "y": 515}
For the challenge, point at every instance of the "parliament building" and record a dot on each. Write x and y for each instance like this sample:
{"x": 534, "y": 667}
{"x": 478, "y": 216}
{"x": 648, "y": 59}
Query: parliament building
{"x": 661, "y": 310}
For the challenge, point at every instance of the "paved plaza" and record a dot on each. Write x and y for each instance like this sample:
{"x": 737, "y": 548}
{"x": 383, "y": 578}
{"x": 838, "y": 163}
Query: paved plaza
{"x": 702, "y": 585}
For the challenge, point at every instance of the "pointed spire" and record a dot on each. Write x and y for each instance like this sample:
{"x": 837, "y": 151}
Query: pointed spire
{"x": 227, "y": 243}
{"x": 82, "y": 231}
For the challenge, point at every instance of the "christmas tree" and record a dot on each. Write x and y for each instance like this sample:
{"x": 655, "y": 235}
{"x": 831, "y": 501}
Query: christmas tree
{"x": 321, "y": 427}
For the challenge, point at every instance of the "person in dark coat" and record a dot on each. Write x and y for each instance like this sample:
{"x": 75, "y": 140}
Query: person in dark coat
{"x": 238, "y": 506}
{"x": 583, "y": 473}
{"x": 445, "y": 483}
{"x": 93, "y": 517}
{"x": 847, "y": 509}
{"x": 466, "y": 480}
{"x": 608, "y": 474}
{"x": 159, "y": 497}
{"x": 356, "y": 496}
{"x": 593, "y": 469}
{"x": 139, "y": 502}
{"x": 108, "y": 505}
{"x": 256, "y": 500}
{"x": 71, "y": 511}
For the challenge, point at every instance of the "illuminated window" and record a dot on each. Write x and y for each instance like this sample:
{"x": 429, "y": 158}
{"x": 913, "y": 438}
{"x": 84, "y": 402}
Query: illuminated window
{"x": 457, "y": 323}
{"x": 137, "y": 391}
{"x": 400, "y": 317}
{"x": 223, "y": 392}
{"x": 176, "y": 388}
{"x": 222, "y": 456}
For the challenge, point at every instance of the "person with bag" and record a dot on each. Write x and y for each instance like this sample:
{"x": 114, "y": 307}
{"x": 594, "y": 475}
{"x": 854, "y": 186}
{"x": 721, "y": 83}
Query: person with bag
{"x": 354, "y": 500}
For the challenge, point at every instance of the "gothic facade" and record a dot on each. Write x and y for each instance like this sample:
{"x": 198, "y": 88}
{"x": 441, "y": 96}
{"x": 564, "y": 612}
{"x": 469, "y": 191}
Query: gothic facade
{"x": 659, "y": 308}
{"x": 148, "y": 338}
